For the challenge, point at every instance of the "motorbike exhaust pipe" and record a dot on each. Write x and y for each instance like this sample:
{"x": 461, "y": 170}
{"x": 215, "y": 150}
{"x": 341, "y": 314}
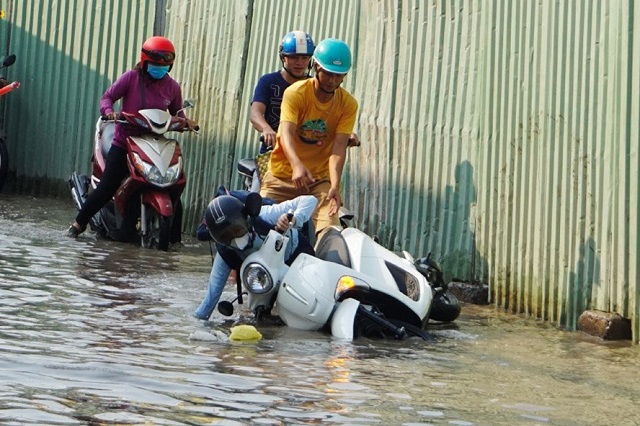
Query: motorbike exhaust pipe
{"x": 79, "y": 188}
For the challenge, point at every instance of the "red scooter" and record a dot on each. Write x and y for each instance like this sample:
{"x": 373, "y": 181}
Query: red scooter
{"x": 5, "y": 87}
{"x": 145, "y": 205}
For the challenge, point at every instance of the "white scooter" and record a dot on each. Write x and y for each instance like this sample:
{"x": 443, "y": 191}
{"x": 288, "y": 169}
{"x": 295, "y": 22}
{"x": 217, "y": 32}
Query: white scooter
{"x": 353, "y": 287}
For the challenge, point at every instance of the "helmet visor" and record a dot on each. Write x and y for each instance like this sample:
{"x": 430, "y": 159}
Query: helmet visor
{"x": 225, "y": 235}
{"x": 160, "y": 56}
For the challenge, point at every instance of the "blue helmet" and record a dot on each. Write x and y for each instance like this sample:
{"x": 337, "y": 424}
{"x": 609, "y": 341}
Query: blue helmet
{"x": 297, "y": 43}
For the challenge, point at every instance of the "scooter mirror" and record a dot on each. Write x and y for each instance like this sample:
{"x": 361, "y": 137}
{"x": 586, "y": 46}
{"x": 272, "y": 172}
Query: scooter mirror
{"x": 188, "y": 103}
{"x": 225, "y": 308}
{"x": 9, "y": 60}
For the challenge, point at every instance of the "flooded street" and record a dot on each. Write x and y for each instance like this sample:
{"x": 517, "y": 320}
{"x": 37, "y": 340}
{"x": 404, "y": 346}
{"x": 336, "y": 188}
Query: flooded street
{"x": 97, "y": 332}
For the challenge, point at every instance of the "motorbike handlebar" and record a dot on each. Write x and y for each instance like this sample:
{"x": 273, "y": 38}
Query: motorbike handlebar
{"x": 289, "y": 218}
{"x": 119, "y": 119}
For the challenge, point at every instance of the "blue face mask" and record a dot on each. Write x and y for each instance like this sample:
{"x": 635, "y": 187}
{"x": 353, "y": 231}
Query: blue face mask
{"x": 157, "y": 71}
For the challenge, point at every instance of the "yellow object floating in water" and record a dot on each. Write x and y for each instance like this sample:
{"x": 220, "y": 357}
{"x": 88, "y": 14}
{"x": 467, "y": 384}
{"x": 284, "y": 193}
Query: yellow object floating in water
{"x": 245, "y": 332}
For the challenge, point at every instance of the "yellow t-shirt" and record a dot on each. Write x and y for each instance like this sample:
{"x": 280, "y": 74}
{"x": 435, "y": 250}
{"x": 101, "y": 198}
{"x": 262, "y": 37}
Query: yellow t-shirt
{"x": 316, "y": 127}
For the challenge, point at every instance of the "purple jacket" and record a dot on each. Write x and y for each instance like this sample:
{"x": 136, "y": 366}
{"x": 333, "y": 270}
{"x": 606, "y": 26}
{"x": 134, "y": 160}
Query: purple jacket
{"x": 139, "y": 91}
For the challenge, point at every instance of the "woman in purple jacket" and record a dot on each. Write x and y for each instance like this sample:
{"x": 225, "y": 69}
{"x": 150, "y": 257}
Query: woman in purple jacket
{"x": 147, "y": 86}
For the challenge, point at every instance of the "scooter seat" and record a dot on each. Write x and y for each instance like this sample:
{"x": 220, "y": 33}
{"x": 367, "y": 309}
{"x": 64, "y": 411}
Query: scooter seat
{"x": 333, "y": 248}
{"x": 106, "y": 137}
{"x": 247, "y": 166}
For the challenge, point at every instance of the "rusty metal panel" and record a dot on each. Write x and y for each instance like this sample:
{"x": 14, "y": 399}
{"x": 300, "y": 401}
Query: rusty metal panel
{"x": 210, "y": 38}
{"x": 556, "y": 177}
{"x": 68, "y": 52}
{"x": 633, "y": 276}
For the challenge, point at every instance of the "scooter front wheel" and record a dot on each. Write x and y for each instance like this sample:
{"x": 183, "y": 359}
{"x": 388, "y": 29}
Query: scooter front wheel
{"x": 4, "y": 162}
{"x": 158, "y": 231}
{"x": 412, "y": 330}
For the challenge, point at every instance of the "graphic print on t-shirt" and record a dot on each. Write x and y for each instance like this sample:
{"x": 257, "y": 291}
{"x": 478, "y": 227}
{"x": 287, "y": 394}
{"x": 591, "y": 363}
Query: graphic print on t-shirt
{"x": 313, "y": 132}
{"x": 273, "y": 107}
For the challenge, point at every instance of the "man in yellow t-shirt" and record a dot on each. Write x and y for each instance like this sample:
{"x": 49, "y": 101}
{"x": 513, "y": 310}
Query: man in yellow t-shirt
{"x": 316, "y": 119}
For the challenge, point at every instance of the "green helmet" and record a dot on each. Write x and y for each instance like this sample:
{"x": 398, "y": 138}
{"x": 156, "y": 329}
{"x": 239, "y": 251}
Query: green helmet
{"x": 333, "y": 55}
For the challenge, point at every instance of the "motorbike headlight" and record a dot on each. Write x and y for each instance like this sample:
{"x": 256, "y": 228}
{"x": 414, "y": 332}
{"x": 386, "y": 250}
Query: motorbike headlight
{"x": 257, "y": 279}
{"x": 347, "y": 283}
{"x": 413, "y": 288}
{"x": 153, "y": 174}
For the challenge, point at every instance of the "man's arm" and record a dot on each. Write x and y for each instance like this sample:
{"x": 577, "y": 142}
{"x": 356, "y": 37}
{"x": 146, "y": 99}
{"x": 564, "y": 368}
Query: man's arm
{"x": 301, "y": 176}
{"x": 256, "y": 116}
{"x": 336, "y": 165}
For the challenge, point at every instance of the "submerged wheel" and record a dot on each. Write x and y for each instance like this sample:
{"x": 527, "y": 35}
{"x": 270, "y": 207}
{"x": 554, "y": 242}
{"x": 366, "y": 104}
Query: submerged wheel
{"x": 158, "y": 231}
{"x": 4, "y": 162}
{"x": 412, "y": 330}
{"x": 445, "y": 307}
{"x": 366, "y": 327}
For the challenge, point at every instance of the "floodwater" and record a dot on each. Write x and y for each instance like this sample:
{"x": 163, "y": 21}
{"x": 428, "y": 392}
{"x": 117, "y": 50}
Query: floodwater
{"x": 97, "y": 332}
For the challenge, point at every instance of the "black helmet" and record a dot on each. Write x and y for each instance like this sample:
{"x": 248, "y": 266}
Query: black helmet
{"x": 226, "y": 219}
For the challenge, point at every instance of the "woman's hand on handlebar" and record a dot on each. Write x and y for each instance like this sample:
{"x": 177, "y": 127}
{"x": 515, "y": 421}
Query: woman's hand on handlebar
{"x": 112, "y": 116}
{"x": 285, "y": 221}
{"x": 192, "y": 125}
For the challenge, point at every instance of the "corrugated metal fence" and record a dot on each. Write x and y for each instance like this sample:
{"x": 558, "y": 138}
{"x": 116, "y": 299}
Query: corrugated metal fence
{"x": 501, "y": 136}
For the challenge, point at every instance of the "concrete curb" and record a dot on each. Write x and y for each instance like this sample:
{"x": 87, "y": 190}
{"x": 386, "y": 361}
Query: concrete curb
{"x": 606, "y": 325}
{"x": 476, "y": 293}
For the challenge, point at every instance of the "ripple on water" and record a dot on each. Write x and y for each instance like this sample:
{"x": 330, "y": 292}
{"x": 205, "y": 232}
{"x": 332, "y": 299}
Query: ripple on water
{"x": 94, "y": 331}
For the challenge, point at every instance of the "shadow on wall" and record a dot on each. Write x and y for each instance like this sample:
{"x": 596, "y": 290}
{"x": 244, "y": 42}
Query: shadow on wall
{"x": 442, "y": 226}
{"x": 49, "y": 121}
{"x": 582, "y": 282}
{"x": 460, "y": 257}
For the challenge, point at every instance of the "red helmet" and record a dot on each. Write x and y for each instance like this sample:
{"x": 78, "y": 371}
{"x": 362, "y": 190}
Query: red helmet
{"x": 158, "y": 50}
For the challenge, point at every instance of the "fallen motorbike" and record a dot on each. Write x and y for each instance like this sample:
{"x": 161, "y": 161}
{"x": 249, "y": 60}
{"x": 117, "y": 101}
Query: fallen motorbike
{"x": 353, "y": 287}
{"x": 445, "y": 307}
{"x": 5, "y": 87}
{"x": 144, "y": 205}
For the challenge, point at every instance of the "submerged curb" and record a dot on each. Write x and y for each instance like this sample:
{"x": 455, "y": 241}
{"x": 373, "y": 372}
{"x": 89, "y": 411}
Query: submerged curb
{"x": 606, "y": 325}
{"x": 476, "y": 293}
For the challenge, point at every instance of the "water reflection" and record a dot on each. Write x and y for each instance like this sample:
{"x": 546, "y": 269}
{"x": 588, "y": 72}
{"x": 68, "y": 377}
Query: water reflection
{"x": 96, "y": 332}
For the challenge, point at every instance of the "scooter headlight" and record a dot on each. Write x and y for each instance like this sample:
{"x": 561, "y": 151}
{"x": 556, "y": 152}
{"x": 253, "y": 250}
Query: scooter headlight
{"x": 257, "y": 279}
{"x": 153, "y": 175}
{"x": 347, "y": 283}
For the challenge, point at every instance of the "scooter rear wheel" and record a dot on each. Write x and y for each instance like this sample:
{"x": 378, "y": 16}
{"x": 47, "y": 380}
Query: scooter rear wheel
{"x": 4, "y": 162}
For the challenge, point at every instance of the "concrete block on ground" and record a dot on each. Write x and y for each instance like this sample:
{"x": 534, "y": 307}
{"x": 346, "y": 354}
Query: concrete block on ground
{"x": 606, "y": 325}
{"x": 474, "y": 292}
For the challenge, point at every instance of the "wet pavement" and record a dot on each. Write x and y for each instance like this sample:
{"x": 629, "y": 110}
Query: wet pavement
{"x": 98, "y": 332}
